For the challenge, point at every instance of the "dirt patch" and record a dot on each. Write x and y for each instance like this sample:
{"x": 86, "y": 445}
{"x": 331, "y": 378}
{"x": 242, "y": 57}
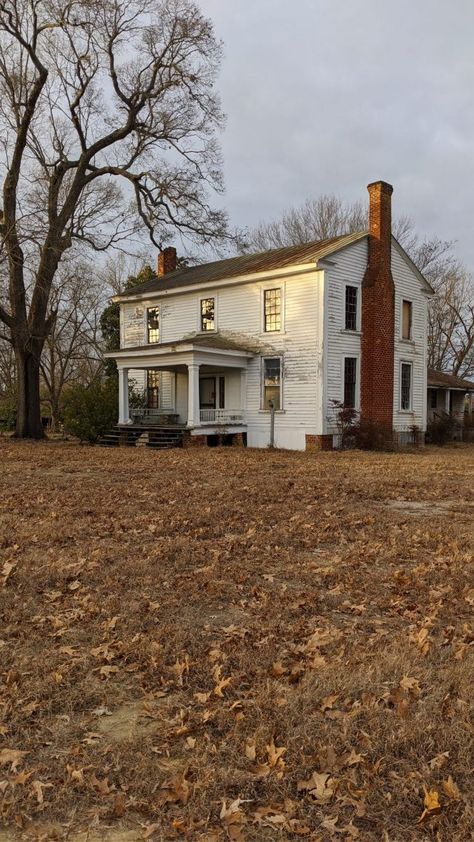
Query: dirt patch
{"x": 132, "y": 720}
{"x": 428, "y": 508}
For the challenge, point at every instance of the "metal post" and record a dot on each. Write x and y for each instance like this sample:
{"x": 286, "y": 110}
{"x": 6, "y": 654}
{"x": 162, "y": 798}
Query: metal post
{"x": 272, "y": 423}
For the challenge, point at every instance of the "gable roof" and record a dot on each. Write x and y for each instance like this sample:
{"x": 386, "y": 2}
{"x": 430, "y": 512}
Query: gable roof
{"x": 448, "y": 381}
{"x": 245, "y": 264}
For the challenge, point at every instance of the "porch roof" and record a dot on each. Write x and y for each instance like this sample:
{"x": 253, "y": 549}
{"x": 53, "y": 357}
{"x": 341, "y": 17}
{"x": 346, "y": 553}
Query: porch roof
{"x": 442, "y": 380}
{"x": 199, "y": 349}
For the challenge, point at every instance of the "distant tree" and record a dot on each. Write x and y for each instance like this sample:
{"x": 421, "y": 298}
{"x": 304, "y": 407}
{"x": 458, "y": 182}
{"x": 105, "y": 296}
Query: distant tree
{"x": 93, "y": 95}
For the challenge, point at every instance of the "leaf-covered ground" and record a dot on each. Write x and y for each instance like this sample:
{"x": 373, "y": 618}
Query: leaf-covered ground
{"x": 232, "y": 644}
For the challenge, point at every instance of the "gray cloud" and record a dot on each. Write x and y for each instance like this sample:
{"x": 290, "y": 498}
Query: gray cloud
{"x": 325, "y": 96}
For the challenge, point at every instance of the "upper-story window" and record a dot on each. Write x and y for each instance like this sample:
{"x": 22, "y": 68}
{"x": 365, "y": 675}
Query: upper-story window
{"x": 350, "y": 320}
{"x": 407, "y": 319}
{"x": 153, "y": 324}
{"x": 272, "y": 310}
{"x": 208, "y": 314}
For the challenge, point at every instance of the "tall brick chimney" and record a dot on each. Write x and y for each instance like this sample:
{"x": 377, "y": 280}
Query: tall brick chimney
{"x": 378, "y": 311}
{"x": 166, "y": 261}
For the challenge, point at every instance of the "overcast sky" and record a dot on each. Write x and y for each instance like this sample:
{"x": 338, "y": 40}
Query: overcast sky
{"x": 324, "y": 96}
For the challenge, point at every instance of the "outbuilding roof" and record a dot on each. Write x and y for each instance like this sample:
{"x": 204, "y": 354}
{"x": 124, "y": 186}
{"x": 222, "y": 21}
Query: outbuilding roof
{"x": 442, "y": 380}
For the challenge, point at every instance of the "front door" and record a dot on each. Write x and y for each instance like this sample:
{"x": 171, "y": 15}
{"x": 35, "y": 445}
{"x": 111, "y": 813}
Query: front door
{"x": 207, "y": 392}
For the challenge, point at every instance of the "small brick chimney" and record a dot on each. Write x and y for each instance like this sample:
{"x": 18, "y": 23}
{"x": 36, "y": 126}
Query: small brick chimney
{"x": 166, "y": 261}
{"x": 378, "y": 311}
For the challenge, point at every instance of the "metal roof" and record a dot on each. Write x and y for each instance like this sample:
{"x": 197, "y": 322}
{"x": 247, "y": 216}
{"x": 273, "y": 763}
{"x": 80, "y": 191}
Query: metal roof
{"x": 245, "y": 264}
{"x": 448, "y": 381}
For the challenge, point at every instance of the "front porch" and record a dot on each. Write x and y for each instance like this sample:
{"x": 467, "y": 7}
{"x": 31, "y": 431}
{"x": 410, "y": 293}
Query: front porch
{"x": 187, "y": 384}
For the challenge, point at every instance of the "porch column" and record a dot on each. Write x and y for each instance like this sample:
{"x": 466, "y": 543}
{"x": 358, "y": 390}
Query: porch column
{"x": 124, "y": 415}
{"x": 446, "y": 401}
{"x": 243, "y": 392}
{"x": 194, "y": 418}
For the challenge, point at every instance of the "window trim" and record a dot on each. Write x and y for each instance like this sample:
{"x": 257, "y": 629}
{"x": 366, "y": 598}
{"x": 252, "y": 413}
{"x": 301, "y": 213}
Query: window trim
{"x": 402, "y": 337}
{"x": 147, "y": 334}
{"x": 357, "y": 287}
{"x": 205, "y": 297}
{"x": 266, "y": 288}
{"x": 264, "y": 408}
{"x": 410, "y": 407}
{"x": 355, "y": 357}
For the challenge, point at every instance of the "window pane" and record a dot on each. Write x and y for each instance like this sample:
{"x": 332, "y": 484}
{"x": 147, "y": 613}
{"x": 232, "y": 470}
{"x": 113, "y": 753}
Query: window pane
{"x": 153, "y": 324}
{"x": 272, "y": 309}
{"x": 207, "y": 314}
{"x": 406, "y": 386}
{"x": 272, "y": 382}
{"x": 406, "y": 319}
{"x": 351, "y": 308}
{"x": 433, "y": 398}
{"x": 350, "y": 381}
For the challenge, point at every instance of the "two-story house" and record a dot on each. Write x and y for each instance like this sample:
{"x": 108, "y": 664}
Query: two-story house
{"x": 343, "y": 320}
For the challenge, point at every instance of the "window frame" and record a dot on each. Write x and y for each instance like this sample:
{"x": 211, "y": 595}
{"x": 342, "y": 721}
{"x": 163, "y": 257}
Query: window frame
{"x": 410, "y": 337}
{"x": 269, "y": 288}
{"x": 409, "y": 408}
{"x": 356, "y": 329}
{"x": 264, "y": 408}
{"x": 147, "y": 327}
{"x": 202, "y": 298}
{"x": 355, "y": 357}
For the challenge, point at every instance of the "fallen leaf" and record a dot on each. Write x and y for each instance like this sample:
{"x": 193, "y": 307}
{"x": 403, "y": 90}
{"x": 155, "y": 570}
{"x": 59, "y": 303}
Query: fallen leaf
{"x": 451, "y": 789}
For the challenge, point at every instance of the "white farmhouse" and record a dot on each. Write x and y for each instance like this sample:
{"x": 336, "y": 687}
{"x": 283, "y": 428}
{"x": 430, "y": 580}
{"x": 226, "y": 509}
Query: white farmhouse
{"x": 340, "y": 320}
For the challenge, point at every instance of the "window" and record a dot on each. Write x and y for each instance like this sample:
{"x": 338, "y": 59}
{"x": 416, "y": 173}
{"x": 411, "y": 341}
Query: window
{"x": 405, "y": 390}
{"x": 351, "y": 308}
{"x": 350, "y": 381}
{"x": 433, "y": 399}
{"x": 207, "y": 314}
{"x": 153, "y": 324}
{"x": 272, "y": 310}
{"x": 406, "y": 319}
{"x": 153, "y": 389}
{"x": 271, "y": 382}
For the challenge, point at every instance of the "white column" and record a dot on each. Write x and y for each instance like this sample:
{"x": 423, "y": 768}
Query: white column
{"x": 446, "y": 400}
{"x": 194, "y": 419}
{"x": 124, "y": 416}
{"x": 243, "y": 391}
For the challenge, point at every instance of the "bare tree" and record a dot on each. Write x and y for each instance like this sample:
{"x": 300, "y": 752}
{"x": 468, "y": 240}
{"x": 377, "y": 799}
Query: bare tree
{"x": 72, "y": 352}
{"x": 95, "y": 94}
{"x": 315, "y": 219}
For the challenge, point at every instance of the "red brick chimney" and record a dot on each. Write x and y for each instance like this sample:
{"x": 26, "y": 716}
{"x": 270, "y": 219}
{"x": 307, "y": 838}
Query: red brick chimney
{"x": 378, "y": 311}
{"x": 166, "y": 261}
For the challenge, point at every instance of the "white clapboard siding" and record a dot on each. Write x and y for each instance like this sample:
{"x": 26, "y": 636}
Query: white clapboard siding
{"x": 349, "y": 268}
{"x": 409, "y": 286}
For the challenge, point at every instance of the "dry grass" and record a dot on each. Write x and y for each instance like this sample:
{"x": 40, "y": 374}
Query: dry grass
{"x": 170, "y": 621}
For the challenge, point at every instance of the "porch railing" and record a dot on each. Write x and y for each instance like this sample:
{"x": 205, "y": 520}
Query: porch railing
{"x": 222, "y": 416}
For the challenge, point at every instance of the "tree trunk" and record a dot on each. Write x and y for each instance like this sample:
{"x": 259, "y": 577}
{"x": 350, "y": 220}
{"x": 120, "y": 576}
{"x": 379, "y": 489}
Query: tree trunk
{"x": 28, "y": 404}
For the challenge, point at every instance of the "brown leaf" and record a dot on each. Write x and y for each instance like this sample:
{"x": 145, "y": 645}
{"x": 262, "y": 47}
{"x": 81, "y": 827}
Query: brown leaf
{"x": 451, "y": 789}
{"x": 11, "y": 756}
{"x": 320, "y": 786}
{"x": 37, "y": 787}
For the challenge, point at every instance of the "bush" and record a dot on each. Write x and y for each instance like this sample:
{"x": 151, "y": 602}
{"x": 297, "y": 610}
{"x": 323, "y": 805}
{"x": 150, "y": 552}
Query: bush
{"x": 89, "y": 411}
{"x": 440, "y": 430}
{"x": 358, "y": 432}
{"x": 371, "y": 435}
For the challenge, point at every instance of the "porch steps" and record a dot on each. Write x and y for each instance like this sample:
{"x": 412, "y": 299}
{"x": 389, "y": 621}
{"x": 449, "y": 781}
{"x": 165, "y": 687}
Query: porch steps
{"x": 131, "y": 435}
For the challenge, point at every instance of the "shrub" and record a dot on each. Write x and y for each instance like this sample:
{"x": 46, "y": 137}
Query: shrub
{"x": 441, "y": 429}
{"x": 371, "y": 435}
{"x": 88, "y": 411}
